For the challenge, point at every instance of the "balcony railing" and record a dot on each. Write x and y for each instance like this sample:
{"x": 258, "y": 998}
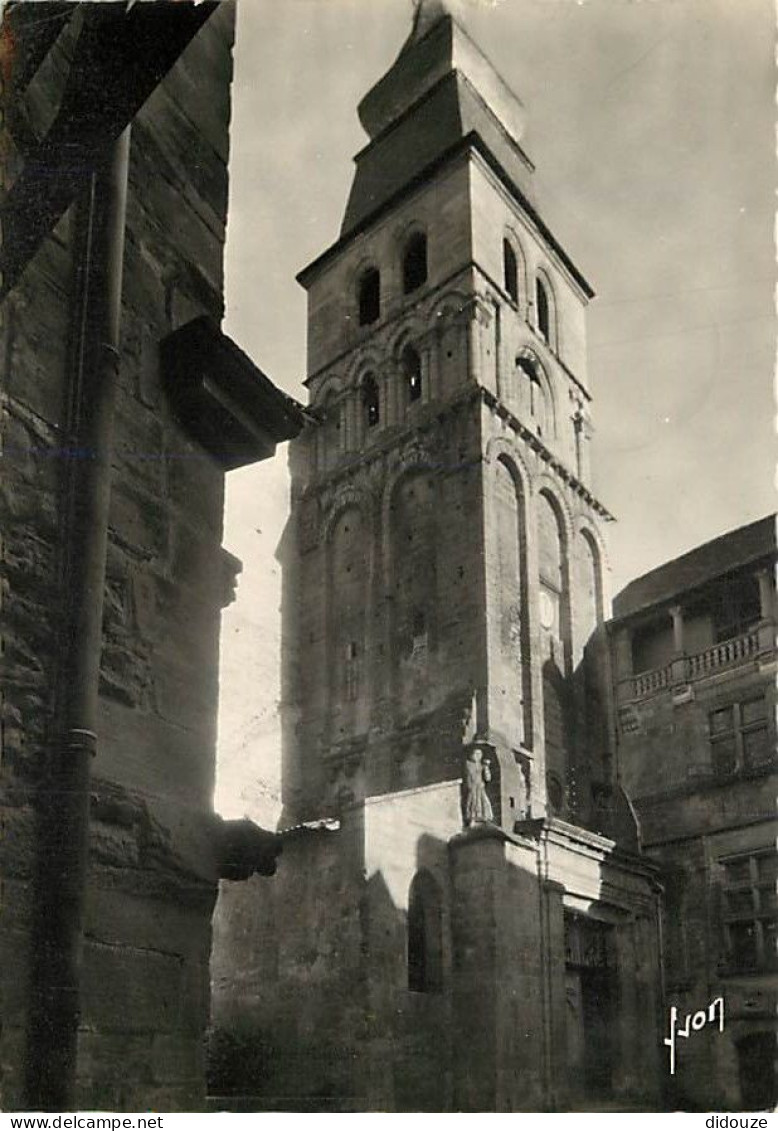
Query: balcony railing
{"x": 698, "y": 665}
{"x": 722, "y": 655}
{"x": 647, "y": 683}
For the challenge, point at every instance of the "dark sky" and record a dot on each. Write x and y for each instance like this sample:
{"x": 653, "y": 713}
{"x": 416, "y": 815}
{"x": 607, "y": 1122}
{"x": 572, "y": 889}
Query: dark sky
{"x": 652, "y": 127}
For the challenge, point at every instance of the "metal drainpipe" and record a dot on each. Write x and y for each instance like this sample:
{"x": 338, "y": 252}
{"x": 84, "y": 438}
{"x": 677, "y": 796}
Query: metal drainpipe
{"x": 52, "y": 1049}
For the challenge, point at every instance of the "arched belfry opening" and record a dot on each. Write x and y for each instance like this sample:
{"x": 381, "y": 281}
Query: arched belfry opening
{"x": 371, "y": 402}
{"x": 543, "y": 309}
{"x": 510, "y": 270}
{"x": 411, "y": 371}
{"x": 415, "y": 263}
{"x": 535, "y": 396}
{"x": 369, "y": 297}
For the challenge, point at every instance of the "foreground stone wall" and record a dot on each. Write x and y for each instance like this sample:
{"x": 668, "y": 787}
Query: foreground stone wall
{"x": 152, "y": 882}
{"x": 315, "y": 997}
{"x": 311, "y": 965}
{"x": 289, "y": 974}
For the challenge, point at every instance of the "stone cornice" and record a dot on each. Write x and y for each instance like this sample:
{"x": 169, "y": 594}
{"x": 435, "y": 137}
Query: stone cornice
{"x": 545, "y": 454}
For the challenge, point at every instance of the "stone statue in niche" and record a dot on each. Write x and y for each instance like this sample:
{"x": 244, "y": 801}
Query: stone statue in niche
{"x": 478, "y": 808}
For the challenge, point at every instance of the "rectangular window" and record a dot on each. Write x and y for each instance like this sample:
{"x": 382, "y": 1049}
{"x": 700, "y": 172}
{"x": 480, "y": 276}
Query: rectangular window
{"x": 742, "y": 946}
{"x": 753, "y": 711}
{"x": 739, "y": 871}
{"x": 756, "y": 749}
{"x": 722, "y": 721}
{"x": 740, "y": 738}
{"x": 768, "y": 899}
{"x": 740, "y": 902}
{"x": 750, "y": 904}
{"x": 767, "y": 867}
{"x": 724, "y": 756}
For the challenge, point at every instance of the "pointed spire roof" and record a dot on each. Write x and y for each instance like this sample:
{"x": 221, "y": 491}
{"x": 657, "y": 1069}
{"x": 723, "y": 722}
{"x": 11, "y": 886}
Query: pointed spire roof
{"x": 426, "y": 15}
{"x": 440, "y": 90}
{"x": 437, "y": 46}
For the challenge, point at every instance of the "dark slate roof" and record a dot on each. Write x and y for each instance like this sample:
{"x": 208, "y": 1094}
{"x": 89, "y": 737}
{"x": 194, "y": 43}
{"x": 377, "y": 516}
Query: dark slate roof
{"x": 729, "y": 552}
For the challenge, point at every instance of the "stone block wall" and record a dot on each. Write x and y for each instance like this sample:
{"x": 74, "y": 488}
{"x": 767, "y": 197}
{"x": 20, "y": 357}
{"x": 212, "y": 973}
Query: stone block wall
{"x": 518, "y": 482}
{"x": 500, "y": 974}
{"x": 289, "y": 969}
{"x": 411, "y": 1038}
{"x": 653, "y": 766}
{"x": 441, "y": 211}
{"x": 410, "y": 699}
{"x": 494, "y": 216}
{"x": 313, "y": 965}
{"x": 152, "y": 880}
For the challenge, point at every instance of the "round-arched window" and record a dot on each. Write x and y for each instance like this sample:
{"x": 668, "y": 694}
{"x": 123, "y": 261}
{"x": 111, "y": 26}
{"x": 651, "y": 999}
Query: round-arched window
{"x": 411, "y": 368}
{"x": 415, "y": 262}
{"x": 543, "y": 309}
{"x": 369, "y": 296}
{"x": 510, "y": 270}
{"x": 371, "y": 401}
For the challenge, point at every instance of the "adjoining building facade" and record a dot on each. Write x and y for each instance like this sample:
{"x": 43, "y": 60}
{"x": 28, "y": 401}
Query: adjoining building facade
{"x": 694, "y": 666}
{"x": 444, "y": 571}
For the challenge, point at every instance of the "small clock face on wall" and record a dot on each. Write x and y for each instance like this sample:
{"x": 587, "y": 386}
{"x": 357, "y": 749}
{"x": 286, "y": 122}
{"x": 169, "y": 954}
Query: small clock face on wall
{"x": 547, "y": 610}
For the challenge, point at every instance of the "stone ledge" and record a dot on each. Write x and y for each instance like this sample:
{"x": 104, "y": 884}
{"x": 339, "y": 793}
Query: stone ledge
{"x": 485, "y": 830}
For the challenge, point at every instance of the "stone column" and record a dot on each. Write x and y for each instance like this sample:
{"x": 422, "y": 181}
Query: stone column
{"x": 767, "y": 610}
{"x": 341, "y": 427}
{"x": 425, "y": 356}
{"x": 626, "y": 1025}
{"x": 391, "y": 413}
{"x": 499, "y": 1032}
{"x": 765, "y": 579}
{"x": 384, "y": 403}
{"x": 622, "y": 666}
{"x": 355, "y": 412}
{"x": 679, "y": 659}
{"x": 433, "y": 355}
{"x": 473, "y": 345}
{"x": 348, "y": 425}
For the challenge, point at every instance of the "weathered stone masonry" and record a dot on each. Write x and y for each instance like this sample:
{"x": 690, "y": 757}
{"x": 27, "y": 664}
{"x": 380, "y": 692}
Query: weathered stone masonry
{"x": 154, "y": 840}
{"x": 694, "y": 663}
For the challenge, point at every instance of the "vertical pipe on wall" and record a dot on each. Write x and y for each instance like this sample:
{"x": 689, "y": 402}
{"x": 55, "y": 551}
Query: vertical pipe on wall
{"x": 53, "y": 1036}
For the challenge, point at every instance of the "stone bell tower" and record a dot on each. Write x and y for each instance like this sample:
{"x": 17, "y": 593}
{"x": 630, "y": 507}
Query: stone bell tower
{"x": 443, "y": 572}
{"x": 443, "y": 562}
